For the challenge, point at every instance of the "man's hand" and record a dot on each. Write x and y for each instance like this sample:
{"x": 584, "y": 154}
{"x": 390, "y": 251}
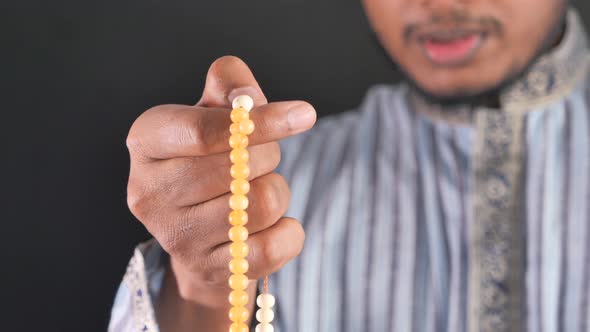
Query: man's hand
{"x": 179, "y": 189}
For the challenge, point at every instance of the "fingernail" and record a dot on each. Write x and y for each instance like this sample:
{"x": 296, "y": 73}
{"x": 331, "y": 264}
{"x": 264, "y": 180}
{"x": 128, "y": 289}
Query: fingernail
{"x": 247, "y": 90}
{"x": 301, "y": 116}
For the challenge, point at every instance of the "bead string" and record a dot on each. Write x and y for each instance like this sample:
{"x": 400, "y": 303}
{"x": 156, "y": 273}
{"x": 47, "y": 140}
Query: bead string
{"x": 240, "y": 128}
{"x": 265, "y": 289}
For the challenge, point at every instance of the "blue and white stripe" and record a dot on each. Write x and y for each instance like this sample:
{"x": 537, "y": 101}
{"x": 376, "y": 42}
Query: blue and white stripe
{"x": 385, "y": 196}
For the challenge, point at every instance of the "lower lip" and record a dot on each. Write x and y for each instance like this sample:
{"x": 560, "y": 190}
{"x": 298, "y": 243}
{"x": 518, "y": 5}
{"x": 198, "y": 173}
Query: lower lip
{"x": 454, "y": 52}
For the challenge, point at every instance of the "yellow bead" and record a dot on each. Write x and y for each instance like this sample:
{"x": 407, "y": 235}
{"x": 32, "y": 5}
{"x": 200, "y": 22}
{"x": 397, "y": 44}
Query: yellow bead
{"x": 238, "y": 266}
{"x": 239, "y": 156}
{"x": 239, "y": 114}
{"x": 239, "y": 171}
{"x": 246, "y": 127}
{"x": 238, "y": 202}
{"x": 238, "y": 218}
{"x": 238, "y": 141}
{"x": 238, "y": 282}
{"x": 234, "y": 128}
{"x": 239, "y": 314}
{"x": 238, "y": 327}
{"x": 238, "y": 234}
{"x": 238, "y": 249}
{"x": 239, "y": 187}
{"x": 238, "y": 298}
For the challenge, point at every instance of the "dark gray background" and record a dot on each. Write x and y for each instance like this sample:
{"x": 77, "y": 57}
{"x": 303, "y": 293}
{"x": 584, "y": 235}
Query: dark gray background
{"x": 77, "y": 73}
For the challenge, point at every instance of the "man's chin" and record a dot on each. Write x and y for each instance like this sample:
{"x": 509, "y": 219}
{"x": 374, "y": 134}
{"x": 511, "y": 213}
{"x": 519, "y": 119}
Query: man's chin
{"x": 488, "y": 97}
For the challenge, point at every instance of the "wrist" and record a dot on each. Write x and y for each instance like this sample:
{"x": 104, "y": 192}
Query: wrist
{"x": 186, "y": 301}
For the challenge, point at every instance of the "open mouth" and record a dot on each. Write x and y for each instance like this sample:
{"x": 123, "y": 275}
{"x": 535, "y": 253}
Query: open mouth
{"x": 451, "y": 47}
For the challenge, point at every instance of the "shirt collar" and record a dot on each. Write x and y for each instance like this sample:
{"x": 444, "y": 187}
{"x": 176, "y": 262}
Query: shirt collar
{"x": 555, "y": 74}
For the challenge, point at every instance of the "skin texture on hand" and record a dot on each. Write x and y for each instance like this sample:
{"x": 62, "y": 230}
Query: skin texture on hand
{"x": 179, "y": 189}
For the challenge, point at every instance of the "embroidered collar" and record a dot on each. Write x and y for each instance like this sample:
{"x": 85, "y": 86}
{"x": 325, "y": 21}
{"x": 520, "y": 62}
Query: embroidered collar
{"x": 553, "y": 76}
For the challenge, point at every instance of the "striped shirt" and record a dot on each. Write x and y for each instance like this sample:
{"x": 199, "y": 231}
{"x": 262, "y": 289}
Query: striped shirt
{"x": 399, "y": 207}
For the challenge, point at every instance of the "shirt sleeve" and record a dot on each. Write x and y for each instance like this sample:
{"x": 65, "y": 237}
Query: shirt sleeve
{"x": 133, "y": 308}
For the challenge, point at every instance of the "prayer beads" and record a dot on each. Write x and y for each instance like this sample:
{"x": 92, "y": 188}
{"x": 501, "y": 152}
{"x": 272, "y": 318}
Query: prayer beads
{"x": 240, "y": 128}
{"x": 265, "y": 315}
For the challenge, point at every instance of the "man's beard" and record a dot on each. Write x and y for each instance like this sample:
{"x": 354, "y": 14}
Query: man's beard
{"x": 490, "y": 97}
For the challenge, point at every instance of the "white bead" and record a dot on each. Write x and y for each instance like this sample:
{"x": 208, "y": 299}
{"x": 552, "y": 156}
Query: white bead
{"x": 265, "y": 301}
{"x": 265, "y": 315}
{"x": 264, "y": 327}
{"x": 243, "y": 101}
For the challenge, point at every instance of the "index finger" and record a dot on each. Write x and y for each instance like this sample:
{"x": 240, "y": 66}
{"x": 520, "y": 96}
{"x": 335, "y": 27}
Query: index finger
{"x": 172, "y": 131}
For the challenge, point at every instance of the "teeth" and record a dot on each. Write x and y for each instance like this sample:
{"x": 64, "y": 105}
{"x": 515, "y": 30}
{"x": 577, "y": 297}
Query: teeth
{"x": 450, "y": 38}
{"x": 447, "y": 36}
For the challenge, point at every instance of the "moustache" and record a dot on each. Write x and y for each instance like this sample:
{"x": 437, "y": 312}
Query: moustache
{"x": 453, "y": 24}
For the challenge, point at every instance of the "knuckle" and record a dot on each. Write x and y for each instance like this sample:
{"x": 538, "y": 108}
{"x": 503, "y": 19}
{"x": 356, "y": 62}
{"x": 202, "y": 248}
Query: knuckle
{"x": 139, "y": 202}
{"x": 145, "y": 192}
{"x": 135, "y": 142}
{"x": 274, "y": 252}
{"x": 271, "y": 253}
{"x": 268, "y": 199}
{"x": 131, "y": 140}
{"x": 275, "y": 154}
{"x": 284, "y": 192}
{"x": 287, "y": 191}
{"x": 146, "y": 204}
{"x": 170, "y": 242}
{"x": 195, "y": 134}
{"x": 298, "y": 237}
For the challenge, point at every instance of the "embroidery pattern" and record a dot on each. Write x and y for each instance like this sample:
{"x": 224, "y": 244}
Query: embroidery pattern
{"x": 553, "y": 75}
{"x": 497, "y": 272}
{"x": 135, "y": 278}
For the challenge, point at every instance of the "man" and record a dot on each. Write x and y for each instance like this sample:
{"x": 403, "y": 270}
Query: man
{"x": 455, "y": 202}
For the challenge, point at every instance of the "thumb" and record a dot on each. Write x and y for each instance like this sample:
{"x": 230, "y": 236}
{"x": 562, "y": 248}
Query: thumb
{"x": 227, "y": 78}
